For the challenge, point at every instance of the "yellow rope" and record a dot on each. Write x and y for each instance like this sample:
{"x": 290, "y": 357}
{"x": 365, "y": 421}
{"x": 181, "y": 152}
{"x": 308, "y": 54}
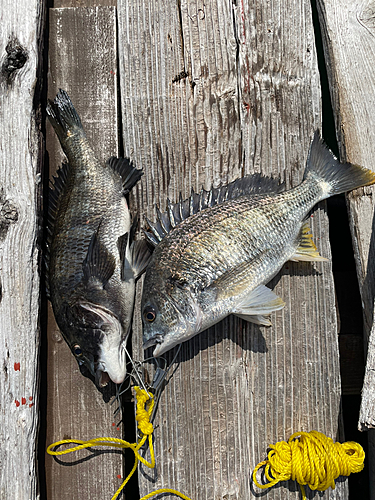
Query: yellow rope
{"x": 310, "y": 458}
{"x": 146, "y": 428}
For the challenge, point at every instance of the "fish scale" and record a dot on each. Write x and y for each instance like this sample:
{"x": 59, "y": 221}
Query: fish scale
{"x": 231, "y": 242}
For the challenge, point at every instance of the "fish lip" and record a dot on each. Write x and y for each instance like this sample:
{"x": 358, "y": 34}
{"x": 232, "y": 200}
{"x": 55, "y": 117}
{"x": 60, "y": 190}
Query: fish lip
{"x": 102, "y": 377}
{"x": 155, "y": 340}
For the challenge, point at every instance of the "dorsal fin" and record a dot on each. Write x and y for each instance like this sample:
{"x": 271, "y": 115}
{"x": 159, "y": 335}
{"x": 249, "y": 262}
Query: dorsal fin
{"x": 129, "y": 174}
{"x": 56, "y": 189}
{"x": 177, "y": 212}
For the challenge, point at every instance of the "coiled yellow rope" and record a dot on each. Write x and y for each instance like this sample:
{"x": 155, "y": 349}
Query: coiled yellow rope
{"x": 146, "y": 428}
{"x": 310, "y": 458}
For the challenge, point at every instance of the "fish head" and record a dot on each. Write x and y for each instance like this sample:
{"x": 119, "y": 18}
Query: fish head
{"x": 170, "y": 315}
{"x": 96, "y": 339}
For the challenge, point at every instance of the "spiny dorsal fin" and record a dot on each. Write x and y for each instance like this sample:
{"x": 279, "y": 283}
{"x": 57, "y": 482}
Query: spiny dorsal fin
{"x": 99, "y": 262}
{"x": 56, "y": 189}
{"x": 177, "y": 212}
{"x": 129, "y": 174}
{"x": 306, "y": 250}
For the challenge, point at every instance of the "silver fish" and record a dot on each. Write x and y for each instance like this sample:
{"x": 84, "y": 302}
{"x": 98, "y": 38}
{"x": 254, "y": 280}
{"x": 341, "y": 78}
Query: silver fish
{"x": 92, "y": 260}
{"x": 216, "y": 251}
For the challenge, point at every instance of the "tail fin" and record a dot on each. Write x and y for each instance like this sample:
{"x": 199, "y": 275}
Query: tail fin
{"x": 63, "y": 116}
{"x": 334, "y": 177}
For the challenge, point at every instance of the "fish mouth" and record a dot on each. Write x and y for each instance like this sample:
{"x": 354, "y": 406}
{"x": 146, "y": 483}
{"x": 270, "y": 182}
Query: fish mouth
{"x": 102, "y": 378}
{"x": 155, "y": 340}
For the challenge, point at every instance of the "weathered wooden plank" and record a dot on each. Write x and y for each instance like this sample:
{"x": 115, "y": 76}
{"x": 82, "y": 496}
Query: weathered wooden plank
{"x": 248, "y": 100}
{"x": 21, "y": 154}
{"x": 349, "y": 29}
{"x": 82, "y": 61}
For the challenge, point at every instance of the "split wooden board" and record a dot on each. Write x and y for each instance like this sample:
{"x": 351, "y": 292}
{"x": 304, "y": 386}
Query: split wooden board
{"x": 21, "y": 161}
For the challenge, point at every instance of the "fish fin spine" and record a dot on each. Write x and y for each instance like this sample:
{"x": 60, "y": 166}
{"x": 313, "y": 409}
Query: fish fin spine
{"x": 333, "y": 177}
{"x": 183, "y": 209}
{"x": 307, "y": 251}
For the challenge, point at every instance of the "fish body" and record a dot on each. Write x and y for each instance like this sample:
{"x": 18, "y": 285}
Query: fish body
{"x": 216, "y": 262}
{"x": 92, "y": 262}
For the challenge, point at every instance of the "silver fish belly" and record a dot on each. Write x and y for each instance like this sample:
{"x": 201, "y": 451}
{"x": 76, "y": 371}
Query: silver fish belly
{"x": 92, "y": 260}
{"x": 215, "y": 254}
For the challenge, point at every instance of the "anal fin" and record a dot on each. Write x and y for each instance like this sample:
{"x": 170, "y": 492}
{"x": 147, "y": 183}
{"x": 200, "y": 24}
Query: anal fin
{"x": 307, "y": 250}
{"x": 258, "y": 304}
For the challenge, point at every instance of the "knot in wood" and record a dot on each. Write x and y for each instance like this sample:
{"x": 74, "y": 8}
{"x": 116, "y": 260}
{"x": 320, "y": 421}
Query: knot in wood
{"x": 8, "y": 215}
{"x": 14, "y": 60}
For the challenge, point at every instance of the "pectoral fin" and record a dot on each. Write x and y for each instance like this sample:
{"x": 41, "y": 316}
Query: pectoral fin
{"x": 306, "y": 250}
{"x": 257, "y": 304}
{"x": 99, "y": 262}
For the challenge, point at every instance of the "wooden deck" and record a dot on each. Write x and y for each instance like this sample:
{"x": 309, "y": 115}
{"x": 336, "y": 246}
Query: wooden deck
{"x": 195, "y": 93}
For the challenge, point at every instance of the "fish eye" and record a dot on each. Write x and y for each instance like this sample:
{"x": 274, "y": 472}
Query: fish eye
{"x": 77, "y": 350}
{"x": 149, "y": 314}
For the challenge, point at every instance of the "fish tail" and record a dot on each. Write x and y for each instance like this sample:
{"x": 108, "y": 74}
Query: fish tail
{"x": 332, "y": 176}
{"x": 63, "y": 116}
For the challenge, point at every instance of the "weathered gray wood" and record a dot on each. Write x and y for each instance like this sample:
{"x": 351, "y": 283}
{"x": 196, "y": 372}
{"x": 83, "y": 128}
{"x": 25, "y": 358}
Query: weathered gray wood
{"x": 83, "y": 61}
{"x": 349, "y": 50}
{"x": 210, "y": 91}
{"x": 21, "y": 154}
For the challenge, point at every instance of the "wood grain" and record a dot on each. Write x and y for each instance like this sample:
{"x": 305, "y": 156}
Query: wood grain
{"x": 82, "y": 61}
{"x": 248, "y": 100}
{"x": 21, "y": 147}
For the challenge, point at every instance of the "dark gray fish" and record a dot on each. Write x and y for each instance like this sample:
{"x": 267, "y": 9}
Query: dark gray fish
{"x": 92, "y": 258}
{"x": 216, "y": 251}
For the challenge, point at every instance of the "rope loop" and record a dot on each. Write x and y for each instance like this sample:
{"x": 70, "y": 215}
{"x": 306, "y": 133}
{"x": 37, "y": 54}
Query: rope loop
{"x": 310, "y": 458}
